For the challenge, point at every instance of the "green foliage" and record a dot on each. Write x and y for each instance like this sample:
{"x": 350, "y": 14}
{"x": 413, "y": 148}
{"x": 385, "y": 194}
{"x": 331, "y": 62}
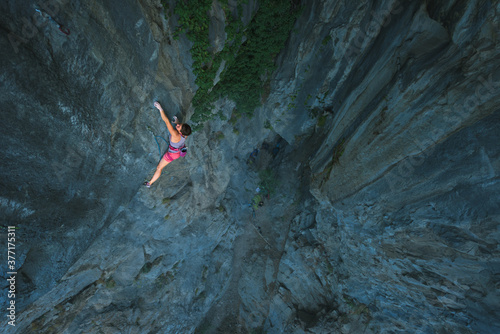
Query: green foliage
{"x": 110, "y": 283}
{"x": 164, "y": 279}
{"x": 235, "y": 116}
{"x": 322, "y": 120}
{"x": 167, "y": 8}
{"x": 326, "y": 40}
{"x": 266, "y": 36}
{"x": 194, "y": 20}
{"x": 338, "y": 151}
{"x": 219, "y": 135}
{"x": 321, "y": 98}
{"x": 267, "y": 125}
{"x": 268, "y": 180}
{"x": 245, "y": 63}
{"x": 255, "y": 201}
{"x": 146, "y": 268}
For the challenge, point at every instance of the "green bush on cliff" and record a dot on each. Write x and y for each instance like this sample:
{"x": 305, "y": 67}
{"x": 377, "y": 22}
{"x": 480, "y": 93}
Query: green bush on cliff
{"x": 268, "y": 180}
{"x": 194, "y": 21}
{"x": 266, "y": 36}
{"x": 246, "y": 64}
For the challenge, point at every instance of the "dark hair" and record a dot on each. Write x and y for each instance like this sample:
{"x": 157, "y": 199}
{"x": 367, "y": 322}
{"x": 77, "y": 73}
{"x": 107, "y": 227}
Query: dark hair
{"x": 185, "y": 130}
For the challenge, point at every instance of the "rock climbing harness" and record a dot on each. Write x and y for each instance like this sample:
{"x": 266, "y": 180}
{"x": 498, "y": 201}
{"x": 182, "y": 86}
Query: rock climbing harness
{"x": 182, "y": 150}
{"x": 62, "y": 28}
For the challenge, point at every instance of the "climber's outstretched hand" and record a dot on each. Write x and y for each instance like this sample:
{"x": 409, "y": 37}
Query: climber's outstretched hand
{"x": 158, "y": 106}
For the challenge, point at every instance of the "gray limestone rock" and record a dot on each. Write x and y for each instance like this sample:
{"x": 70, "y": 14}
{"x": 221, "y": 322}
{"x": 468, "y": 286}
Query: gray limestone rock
{"x": 380, "y": 132}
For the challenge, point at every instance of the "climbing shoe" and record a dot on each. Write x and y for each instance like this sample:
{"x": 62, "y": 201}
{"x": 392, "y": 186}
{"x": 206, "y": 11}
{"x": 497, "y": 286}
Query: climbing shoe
{"x": 147, "y": 184}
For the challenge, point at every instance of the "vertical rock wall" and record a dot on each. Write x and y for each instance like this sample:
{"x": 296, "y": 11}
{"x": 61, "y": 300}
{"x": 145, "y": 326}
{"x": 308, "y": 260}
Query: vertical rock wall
{"x": 404, "y": 164}
{"x": 78, "y": 122}
{"x": 384, "y": 216}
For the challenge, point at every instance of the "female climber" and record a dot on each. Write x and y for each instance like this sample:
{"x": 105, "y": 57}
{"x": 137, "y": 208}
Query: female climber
{"x": 177, "y": 137}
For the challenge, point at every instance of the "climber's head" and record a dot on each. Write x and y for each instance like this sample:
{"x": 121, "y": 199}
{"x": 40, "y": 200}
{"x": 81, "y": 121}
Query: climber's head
{"x": 183, "y": 129}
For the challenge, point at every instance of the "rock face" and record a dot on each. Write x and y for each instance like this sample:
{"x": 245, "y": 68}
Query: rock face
{"x": 378, "y": 143}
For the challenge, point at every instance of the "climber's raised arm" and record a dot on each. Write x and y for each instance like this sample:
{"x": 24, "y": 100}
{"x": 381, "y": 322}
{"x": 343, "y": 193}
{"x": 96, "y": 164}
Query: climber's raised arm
{"x": 171, "y": 129}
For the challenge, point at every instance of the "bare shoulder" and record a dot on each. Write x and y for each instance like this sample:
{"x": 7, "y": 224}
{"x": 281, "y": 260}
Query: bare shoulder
{"x": 175, "y": 138}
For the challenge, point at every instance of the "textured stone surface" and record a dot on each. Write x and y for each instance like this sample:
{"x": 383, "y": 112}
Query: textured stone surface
{"x": 385, "y": 217}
